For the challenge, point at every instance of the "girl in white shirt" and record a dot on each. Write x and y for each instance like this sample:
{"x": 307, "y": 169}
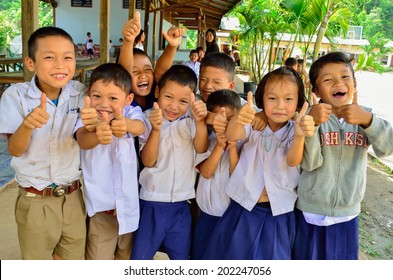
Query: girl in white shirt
{"x": 260, "y": 223}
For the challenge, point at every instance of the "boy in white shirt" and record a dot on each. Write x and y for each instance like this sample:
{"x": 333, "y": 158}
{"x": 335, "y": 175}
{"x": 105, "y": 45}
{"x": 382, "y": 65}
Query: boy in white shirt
{"x": 175, "y": 133}
{"x": 38, "y": 118}
{"x": 105, "y": 133}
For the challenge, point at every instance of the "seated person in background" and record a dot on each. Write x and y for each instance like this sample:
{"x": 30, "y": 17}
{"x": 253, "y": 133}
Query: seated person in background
{"x": 201, "y": 53}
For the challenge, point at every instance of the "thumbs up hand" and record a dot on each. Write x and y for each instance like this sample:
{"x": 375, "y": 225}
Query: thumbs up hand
{"x": 132, "y": 27}
{"x": 39, "y": 116}
{"x": 304, "y": 124}
{"x": 320, "y": 111}
{"x": 155, "y": 117}
{"x": 353, "y": 113}
{"x": 174, "y": 36}
{"x": 220, "y": 121}
{"x": 89, "y": 116}
{"x": 119, "y": 124}
{"x": 103, "y": 130}
{"x": 247, "y": 112}
{"x": 198, "y": 108}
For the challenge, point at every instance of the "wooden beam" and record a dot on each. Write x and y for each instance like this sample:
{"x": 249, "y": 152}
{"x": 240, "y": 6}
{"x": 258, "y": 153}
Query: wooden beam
{"x": 29, "y": 25}
{"x": 131, "y": 9}
{"x": 177, "y": 5}
{"x": 146, "y": 27}
{"x": 104, "y": 30}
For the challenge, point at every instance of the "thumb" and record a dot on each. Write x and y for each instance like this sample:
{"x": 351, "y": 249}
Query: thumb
{"x": 137, "y": 16}
{"x": 355, "y": 97}
{"x": 249, "y": 99}
{"x": 314, "y": 98}
{"x": 192, "y": 98}
{"x": 302, "y": 111}
{"x": 105, "y": 117}
{"x": 87, "y": 102}
{"x": 155, "y": 106}
{"x": 119, "y": 113}
{"x": 43, "y": 101}
{"x": 222, "y": 112}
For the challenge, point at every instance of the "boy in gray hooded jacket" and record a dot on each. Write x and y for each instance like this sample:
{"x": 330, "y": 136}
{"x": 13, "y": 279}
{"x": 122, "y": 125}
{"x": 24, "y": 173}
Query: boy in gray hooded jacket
{"x": 333, "y": 179}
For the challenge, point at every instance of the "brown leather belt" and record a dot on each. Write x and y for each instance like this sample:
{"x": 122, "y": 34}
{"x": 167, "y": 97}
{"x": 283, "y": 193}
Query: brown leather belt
{"x": 55, "y": 190}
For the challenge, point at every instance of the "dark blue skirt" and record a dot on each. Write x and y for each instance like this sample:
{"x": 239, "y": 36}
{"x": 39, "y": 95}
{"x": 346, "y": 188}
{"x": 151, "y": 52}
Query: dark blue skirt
{"x": 256, "y": 235}
{"x": 163, "y": 225}
{"x": 203, "y": 230}
{"x": 335, "y": 242}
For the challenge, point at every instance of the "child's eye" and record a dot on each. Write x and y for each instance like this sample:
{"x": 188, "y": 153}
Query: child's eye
{"x": 327, "y": 80}
{"x": 95, "y": 96}
{"x": 49, "y": 57}
{"x": 184, "y": 102}
{"x": 168, "y": 96}
{"x": 289, "y": 99}
{"x": 345, "y": 77}
{"x": 113, "y": 98}
{"x": 69, "y": 58}
{"x": 271, "y": 98}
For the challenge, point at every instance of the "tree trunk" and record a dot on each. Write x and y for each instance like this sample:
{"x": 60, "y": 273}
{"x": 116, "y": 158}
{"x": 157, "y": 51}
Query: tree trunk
{"x": 321, "y": 33}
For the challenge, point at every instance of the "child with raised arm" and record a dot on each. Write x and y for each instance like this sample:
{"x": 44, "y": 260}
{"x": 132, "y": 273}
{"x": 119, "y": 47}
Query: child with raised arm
{"x": 215, "y": 170}
{"x": 175, "y": 133}
{"x": 139, "y": 65}
{"x": 106, "y": 134}
{"x": 260, "y": 222}
{"x": 333, "y": 180}
{"x": 38, "y": 118}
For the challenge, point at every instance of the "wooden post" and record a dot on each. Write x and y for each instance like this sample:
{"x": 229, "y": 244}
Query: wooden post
{"x": 154, "y": 42}
{"x": 146, "y": 26}
{"x": 131, "y": 9}
{"x": 29, "y": 25}
{"x": 104, "y": 30}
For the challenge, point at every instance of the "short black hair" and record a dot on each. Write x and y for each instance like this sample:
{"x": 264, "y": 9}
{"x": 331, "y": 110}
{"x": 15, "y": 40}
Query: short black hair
{"x": 333, "y": 57}
{"x": 193, "y": 51}
{"x": 112, "y": 72}
{"x": 221, "y": 61}
{"x": 181, "y": 74}
{"x": 44, "y": 32}
{"x": 290, "y": 62}
{"x": 280, "y": 73}
{"x": 223, "y": 98}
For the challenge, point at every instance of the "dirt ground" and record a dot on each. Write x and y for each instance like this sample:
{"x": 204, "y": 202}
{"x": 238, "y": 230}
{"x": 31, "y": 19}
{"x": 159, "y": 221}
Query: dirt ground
{"x": 375, "y": 220}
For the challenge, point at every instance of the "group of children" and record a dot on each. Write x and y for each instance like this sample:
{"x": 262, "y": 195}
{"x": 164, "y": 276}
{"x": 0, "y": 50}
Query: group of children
{"x": 273, "y": 180}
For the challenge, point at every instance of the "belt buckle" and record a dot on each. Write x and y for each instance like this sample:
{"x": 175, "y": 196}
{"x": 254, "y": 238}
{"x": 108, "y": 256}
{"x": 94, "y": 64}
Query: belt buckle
{"x": 60, "y": 190}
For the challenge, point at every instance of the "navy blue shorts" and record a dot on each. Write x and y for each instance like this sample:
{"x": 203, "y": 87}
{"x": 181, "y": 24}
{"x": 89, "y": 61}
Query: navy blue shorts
{"x": 255, "y": 235}
{"x": 335, "y": 242}
{"x": 203, "y": 230}
{"x": 163, "y": 225}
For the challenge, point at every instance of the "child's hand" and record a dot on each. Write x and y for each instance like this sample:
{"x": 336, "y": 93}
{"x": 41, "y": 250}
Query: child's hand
{"x": 119, "y": 124}
{"x": 231, "y": 145}
{"x": 155, "y": 117}
{"x": 132, "y": 28}
{"x": 103, "y": 130}
{"x": 319, "y": 111}
{"x": 39, "y": 116}
{"x": 220, "y": 121}
{"x": 89, "y": 116}
{"x": 221, "y": 140}
{"x": 354, "y": 114}
{"x": 198, "y": 108}
{"x": 247, "y": 112}
{"x": 304, "y": 124}
{"x": 260, "y": 121}
{"x": 173, "y": 36}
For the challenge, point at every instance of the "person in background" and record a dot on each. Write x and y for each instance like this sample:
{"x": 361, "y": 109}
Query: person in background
{"x": 230, "y": 53}
{"x": 201, "y": 53}
{"x": 291, "y": 62}
{"x": 193, "y": 62}
{"x": 90, "y": 45}
{"x": 210, "y": 40}
{"x": 139, "y": 40}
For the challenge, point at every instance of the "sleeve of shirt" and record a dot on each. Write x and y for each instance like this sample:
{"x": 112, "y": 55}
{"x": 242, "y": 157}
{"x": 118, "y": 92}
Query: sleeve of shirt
{"x": 312, "y": 156}
{"x": 133, "y": 113}
{"x": 380, "y": 136}
{"x": 11, "y": 111}
{"x": 144, "y": 136}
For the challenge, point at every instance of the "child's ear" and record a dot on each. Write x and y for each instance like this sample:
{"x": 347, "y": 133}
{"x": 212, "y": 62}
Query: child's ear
{"x": 355, "y": 84}
{"x": 231, "y": 85}
{"x": 129, "y": 99}
{"x": 29, "y": 64}
{"x": 156, "y": 92}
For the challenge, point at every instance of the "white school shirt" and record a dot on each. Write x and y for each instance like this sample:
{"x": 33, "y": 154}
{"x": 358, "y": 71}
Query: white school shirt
{"x": 210, "y": 194}
{"x": 111, "y": 177}
{"x": 262, "y": 163}
{"x": 53, "y": 154}
{"x": 172, "y": 178}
